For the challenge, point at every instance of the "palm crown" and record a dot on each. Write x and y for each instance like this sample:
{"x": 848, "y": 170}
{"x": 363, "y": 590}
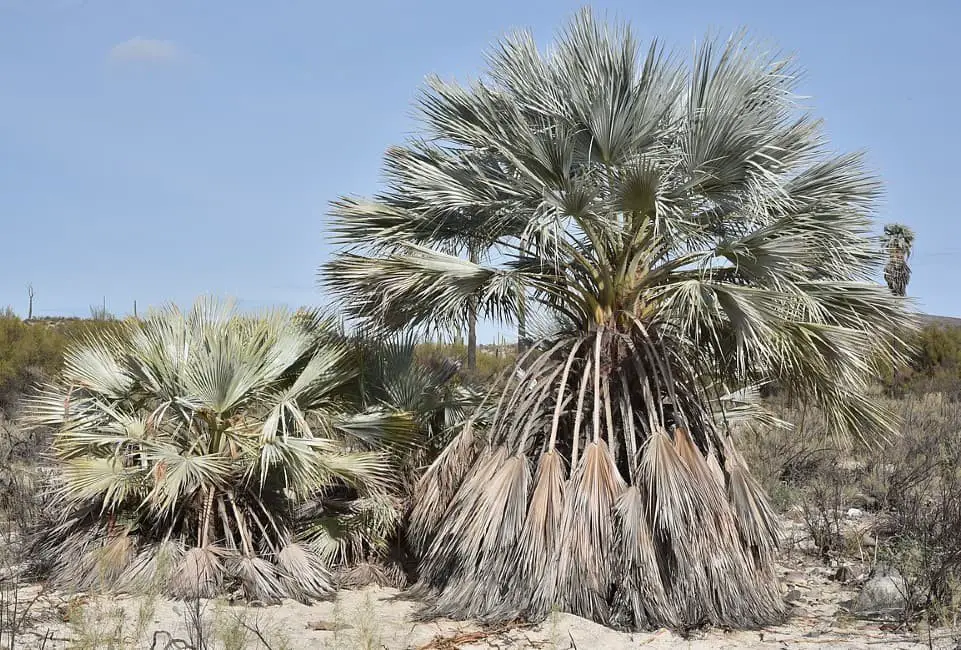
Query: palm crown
{"x": 687, "y": 232}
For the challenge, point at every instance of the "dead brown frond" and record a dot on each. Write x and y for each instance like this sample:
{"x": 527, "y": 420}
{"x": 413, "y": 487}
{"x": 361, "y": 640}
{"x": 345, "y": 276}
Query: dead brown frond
{"x": 363, "y": 574}
{"x": 456, "y": 641}
{"x": 303, "y": 572}
{"x": 259, "y": 579}
{"x": 644, "y": 527}
{"x": 439, "y": 483}
{"x": 586, "y": 565}
{"x": 543, "y": 533}
{"x": 199, "y": 575}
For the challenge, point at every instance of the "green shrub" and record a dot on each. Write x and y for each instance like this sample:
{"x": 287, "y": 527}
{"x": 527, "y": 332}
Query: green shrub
{"x": 31, "y": 351}
{"x": 27, "y": 353}
{"x": 935, "y": 366}
{"x": 490, "y": 362}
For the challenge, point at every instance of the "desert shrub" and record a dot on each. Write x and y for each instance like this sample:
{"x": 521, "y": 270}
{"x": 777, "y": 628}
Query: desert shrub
{"x": 31, "y": 351}
{"x": 20, "y": 473}
{"x": 490, "y": 362}
{"x": 917, "y": 480}
{"x": 935, "y": 365}
{"x": 938, "y": 348}
{"x": 804, "y": 470}
{"x": 911, "y": 484}
{"x": 27, "y": 353}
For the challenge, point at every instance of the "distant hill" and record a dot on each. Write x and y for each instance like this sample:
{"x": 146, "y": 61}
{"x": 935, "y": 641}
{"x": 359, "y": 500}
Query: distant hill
{"x": 942, "y": 321}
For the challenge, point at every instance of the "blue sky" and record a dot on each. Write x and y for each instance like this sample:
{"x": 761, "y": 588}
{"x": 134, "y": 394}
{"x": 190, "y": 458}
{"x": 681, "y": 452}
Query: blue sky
{"x": 155, "y": 150}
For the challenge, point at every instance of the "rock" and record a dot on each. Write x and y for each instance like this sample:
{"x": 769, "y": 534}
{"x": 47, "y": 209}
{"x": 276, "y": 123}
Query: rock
{"x": 883, "y": 595}
{"x": 792, "y": 596}
{"x": 843, "y": 574}
{"x": 854, "y": 513}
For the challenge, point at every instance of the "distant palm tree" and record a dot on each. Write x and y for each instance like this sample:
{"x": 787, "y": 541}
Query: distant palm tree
{"x": 689, "y": 235}
{"x": 208, "y": 449}
{"x": 898, "y": 242}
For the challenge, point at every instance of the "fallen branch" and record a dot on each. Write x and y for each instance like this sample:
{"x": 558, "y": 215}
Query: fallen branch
{"x": 454, "y": 642}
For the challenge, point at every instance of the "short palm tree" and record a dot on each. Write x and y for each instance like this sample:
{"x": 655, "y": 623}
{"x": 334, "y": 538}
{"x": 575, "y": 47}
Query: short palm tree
{"x": 690, "y": 236}
{"x": 207, "y": 450}
{"x": 898, "y": 241}
{"x": 395, "y": 377}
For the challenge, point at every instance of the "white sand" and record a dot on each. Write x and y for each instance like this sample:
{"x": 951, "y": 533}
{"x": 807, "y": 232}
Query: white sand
{"x": 376, "y": 618}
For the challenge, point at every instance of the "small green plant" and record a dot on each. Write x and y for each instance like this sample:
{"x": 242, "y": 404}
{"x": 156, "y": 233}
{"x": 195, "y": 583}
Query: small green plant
{"x": 368, "y": 635}
{"x": 357, "y": 629}
{"x": 554, "y": 632}
{"x": 95, "y": 624}
{"x": 338, "y": 626}
{"x": 232, "y": 627}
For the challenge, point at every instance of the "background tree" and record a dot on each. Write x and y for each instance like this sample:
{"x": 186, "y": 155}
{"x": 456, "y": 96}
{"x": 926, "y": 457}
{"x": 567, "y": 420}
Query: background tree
{"x": 30, "y": 295}
{"x": 690, "y": 234}
{"x": 898, "y": 241}
{"x": 409, "y": 216}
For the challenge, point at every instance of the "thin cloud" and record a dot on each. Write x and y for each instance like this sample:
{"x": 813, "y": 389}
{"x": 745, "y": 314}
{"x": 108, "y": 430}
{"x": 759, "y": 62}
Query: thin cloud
{"x": 148, "y": 50}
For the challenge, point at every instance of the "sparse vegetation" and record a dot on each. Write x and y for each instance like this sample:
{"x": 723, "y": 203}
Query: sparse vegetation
{"x": 909, "y": 488}
{"x": 672, "y": 241}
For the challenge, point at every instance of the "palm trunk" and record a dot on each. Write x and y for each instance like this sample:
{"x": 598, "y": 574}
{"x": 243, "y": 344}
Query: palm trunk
{"x": 472, "y": 323}
{"x": 522, "y": 326}
{"x": 897, "y": 273}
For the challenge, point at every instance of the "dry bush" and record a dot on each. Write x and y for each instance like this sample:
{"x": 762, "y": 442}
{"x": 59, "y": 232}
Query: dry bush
{"x": 910, "y": 486}
{"x": 19, "y": 513}
{"x": 806, "y": 472}
{"x": 917, "y": 480}
{"x": 21, "y": 459}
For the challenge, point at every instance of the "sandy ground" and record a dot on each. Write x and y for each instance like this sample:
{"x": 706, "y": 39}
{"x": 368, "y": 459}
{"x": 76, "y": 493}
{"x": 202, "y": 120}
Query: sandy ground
{"x": 379, "y": 618}
{"x": 376, "y": 618}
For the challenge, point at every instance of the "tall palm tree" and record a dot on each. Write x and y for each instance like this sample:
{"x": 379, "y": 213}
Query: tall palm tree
{"x": 209, "y": 449}
{"x": 898, "y": 241}
{"x": 691, "y": 236}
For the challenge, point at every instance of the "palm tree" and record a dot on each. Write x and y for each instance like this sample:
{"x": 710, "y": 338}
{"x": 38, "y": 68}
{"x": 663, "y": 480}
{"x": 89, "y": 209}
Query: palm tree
{"x": 898, "y": 241}
{"x": 394, "y": 376}
{"x": 208, "y": 449}
{"x": 690, "y": 236}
